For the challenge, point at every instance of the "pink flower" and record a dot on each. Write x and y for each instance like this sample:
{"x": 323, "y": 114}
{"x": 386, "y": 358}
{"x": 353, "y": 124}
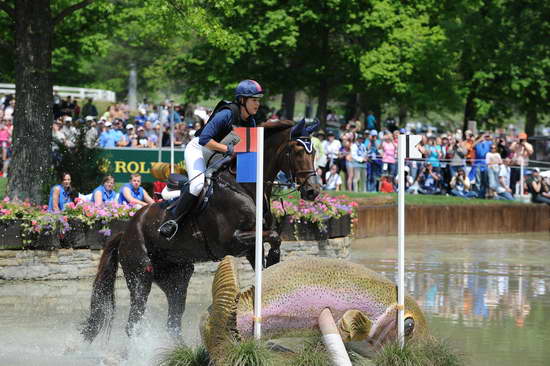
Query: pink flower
{"x": 6, "y": 199}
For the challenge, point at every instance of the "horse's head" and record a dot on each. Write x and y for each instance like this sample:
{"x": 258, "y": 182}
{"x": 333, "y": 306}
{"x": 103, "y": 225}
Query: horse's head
{"x": 300, "y": 165}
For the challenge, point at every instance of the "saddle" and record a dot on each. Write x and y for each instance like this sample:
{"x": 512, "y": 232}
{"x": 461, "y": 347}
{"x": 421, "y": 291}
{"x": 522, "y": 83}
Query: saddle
{"x": 177, "y": 182}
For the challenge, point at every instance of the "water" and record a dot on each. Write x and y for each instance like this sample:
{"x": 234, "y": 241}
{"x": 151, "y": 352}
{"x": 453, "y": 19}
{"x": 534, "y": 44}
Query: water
{"x": 489, "y": 295}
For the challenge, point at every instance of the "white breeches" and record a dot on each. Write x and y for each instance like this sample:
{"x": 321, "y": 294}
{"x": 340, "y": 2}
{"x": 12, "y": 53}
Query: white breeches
{"x": 195, "y": 165}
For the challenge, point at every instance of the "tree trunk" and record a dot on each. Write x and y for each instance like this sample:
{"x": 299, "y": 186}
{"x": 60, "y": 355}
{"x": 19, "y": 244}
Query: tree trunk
{"x": 132, "y": 87}
{"x": 403, "y": 112}
{"x": 531, "y": 120}
{"x": 322, "y": 103}
{"x": 470, "y": 110}
{"x": 30, "y": 166}
{"x": 352, "y": 107}
{"x": 288, "y": 102}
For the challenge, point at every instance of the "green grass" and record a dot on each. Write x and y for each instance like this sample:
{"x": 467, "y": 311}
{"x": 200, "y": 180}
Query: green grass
{"x": 420, "y": 199}
{"x": 185, "y": 356}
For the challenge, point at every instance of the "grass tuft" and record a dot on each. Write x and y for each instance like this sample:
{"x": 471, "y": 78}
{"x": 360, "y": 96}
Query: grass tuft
{"x": 312, "y": 354}
{"x": 248, "y": 352}
{"x": 185, "y": 356}
{"x": 428, "y": 352}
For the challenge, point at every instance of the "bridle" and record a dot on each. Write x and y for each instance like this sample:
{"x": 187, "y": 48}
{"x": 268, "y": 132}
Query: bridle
{"x": 305, "y": 141}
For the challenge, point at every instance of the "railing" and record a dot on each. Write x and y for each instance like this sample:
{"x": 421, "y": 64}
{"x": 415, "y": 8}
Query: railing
{"x": 64, "y": 91}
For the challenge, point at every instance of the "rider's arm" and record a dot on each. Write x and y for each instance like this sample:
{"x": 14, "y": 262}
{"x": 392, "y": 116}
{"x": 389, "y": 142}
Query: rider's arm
{"x": 220, "y": 122}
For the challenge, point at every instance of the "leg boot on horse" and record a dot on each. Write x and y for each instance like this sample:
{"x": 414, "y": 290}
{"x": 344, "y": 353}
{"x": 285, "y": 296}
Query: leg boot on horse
{"x": 186, "y": 203}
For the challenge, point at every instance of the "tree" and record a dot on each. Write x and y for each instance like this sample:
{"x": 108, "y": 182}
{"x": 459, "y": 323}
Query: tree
{"x": 30, "y": 167}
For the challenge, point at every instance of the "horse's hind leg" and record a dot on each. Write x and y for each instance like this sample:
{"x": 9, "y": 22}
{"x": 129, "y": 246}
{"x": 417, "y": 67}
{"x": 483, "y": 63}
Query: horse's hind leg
{"x": 139, "y": 278}
{"x": 173, "y": 281}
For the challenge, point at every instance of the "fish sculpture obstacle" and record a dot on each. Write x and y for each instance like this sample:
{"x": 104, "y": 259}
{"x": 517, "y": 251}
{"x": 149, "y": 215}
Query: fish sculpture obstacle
{"x": 363, "y": 304}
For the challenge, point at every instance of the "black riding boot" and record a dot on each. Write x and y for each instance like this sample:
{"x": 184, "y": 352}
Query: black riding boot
{"x": 185, "y": 204}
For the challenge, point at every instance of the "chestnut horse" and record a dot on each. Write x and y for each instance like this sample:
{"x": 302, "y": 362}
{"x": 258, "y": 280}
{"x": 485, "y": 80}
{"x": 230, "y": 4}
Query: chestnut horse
{"x": 225, "y": 227}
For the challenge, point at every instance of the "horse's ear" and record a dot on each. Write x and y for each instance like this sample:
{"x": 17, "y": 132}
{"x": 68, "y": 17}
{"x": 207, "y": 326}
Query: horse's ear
{"x": 298, "y": 129}
{"x": 312, "y": 127}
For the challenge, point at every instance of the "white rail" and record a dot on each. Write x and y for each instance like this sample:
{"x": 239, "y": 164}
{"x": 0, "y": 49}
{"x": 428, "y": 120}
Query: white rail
{"x": 64, "y": 91}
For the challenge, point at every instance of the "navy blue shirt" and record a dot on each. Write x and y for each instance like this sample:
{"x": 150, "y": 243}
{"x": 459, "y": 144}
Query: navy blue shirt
{"x": 220, "y": 126}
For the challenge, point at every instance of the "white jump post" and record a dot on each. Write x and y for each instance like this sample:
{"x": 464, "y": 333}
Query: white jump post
{"x": 401, "y": 147}
{"x": 406, "y": 147}
{"x": 259, "y": 254}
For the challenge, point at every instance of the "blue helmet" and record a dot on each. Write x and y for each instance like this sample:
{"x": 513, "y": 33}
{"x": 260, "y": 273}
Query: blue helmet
{"x": 249, "y": 88}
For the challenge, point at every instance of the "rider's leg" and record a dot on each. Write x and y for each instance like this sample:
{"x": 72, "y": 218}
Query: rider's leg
{"x": 195, "y": 165}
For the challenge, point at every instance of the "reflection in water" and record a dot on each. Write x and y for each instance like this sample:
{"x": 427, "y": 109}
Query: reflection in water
{"x": 488, "y": 293}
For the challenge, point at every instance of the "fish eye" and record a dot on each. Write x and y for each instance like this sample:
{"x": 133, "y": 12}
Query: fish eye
{"x": 409, "y": 326}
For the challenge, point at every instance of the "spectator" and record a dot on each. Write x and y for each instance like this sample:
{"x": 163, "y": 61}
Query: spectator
{"x": 121, "y": 137}
{"x": 131, "y": 135}
{"x": 133, "y": 193}
{"x": 142, "y": 140}
{"x": 374, "y": 165}
{"x": 60, "y": 194}
{"x": 69, "y": 131}
{"x": 320, "y": 157}
{"x": 482, "y": 146}
{"x": 345, "y": 163}
{"x": 141, "y": 118}
{"x": 76, "y": 110}
{"x": 520, "y": 152}
{"x": 333, "y": 179}
{"x": 428, "y": 180}
{"x": 386, "y": 185}
{"x": 494, "y": 161}
{"x": 108, "y": 138}
{"x": 359, "y": 157}
{"x": 104, "y": 193}
{"x": 9, "y": 109}
{"x": 89, "y": 109}
{"x": 460, "y": 185}
{"x": 91, "y": 137}
{"x": 540, "y": 192}
{"x": 371, "y": 121}
{"x": 57, "y": 134}
{"x": 456, "y": 153}
{"x": 433, "y": 154}
{"x": 388, "y": 150}
{"x": 503, "y": 190}
{"x": 182, "y": 135}
{"x": 332, "y": 148}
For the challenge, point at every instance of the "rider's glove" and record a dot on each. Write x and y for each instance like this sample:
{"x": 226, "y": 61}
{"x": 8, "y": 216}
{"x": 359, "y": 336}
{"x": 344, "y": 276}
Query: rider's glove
{"x": 230, "y": 150}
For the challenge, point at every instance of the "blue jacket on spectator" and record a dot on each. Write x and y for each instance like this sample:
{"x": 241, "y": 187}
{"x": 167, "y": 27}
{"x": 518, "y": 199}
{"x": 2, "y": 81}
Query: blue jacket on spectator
{"x": 63, "y": 197}
{"x": 482, "y": 148}
{"x": 106, "y": 196}
{"x": 109, "y": 138}
{"x": 136, "y": 194}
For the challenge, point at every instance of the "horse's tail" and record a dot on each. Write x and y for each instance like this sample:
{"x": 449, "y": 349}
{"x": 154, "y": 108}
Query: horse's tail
{"x": 102, "y": 306}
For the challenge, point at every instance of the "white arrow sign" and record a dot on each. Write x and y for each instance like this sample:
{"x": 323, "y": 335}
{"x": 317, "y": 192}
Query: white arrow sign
{"x": 411, "y": 149}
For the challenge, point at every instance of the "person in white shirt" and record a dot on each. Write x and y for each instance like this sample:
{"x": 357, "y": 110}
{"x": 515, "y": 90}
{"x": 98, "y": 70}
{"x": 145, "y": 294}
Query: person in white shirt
{"x": 503, "y": 190}
{"x": 332, "y": 149}
{"x": 333, "y": 179}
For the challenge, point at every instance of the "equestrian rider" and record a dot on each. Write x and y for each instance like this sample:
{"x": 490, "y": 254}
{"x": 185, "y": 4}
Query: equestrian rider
{"x": 247, "y": 97}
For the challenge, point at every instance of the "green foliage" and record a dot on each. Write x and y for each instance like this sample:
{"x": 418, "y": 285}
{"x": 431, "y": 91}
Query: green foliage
{"x": 185, "y": 356}
{"x": 248, "y": 352}
{"x": 429, "y": 352}
{"x": 311, "y": 354}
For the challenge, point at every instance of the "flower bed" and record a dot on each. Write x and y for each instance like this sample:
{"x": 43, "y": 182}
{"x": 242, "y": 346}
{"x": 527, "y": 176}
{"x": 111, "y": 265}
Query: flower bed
{"x": 80, "y": 225}
{"x": 325, "y": 217}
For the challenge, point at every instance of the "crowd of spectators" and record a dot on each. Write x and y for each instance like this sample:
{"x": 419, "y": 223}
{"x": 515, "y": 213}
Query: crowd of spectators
{"x": 352, "y": 156}
{"x": 469, "y": 164}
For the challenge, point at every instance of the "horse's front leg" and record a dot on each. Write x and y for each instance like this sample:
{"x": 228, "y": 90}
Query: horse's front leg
{"x": 173, "y": 281}
{"x": 248, "y": 239}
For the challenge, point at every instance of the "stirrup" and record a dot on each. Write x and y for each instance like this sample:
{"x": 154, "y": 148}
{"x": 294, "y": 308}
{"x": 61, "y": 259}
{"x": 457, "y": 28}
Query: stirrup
{"x": 173, "y": 222}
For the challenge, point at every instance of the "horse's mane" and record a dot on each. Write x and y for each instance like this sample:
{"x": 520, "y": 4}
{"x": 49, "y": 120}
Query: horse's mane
{"x": 273, "y": 127}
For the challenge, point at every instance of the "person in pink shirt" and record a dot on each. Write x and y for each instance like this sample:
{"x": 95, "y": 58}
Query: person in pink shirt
{"x": 5, "y": 141}
{"x": 388, "y": 149}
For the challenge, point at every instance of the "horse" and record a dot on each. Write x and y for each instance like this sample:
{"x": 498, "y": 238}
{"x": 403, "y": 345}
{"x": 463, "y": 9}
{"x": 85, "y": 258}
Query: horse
{"x": 225, "y": 227}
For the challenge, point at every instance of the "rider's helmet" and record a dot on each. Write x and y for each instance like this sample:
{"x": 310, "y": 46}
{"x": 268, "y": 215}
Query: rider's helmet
{"x": 249, "y": 89}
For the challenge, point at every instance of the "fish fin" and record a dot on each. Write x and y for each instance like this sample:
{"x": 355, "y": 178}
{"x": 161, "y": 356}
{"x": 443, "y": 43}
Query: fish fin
{"x": 246, "y": 300}
{"x": 222, "y": 319}
{"x": 354, "y": 326}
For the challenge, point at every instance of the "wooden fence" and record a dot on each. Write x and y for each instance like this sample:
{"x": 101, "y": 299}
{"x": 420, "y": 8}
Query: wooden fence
{"x": 464, "y": 219}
